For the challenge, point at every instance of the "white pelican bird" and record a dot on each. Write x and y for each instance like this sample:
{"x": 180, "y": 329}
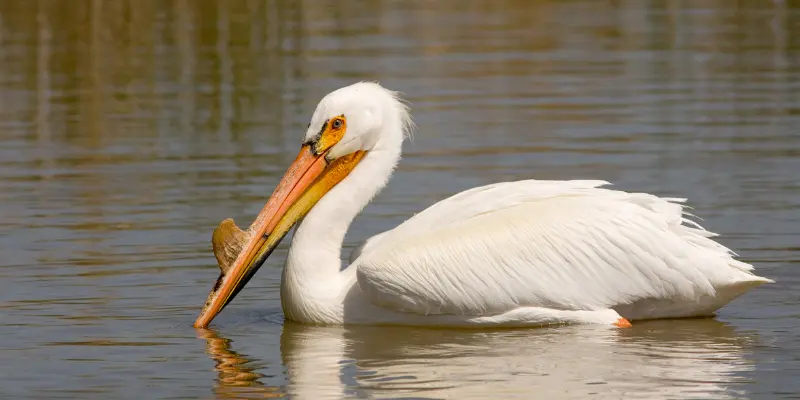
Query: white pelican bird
{"x": 520, "y": 253}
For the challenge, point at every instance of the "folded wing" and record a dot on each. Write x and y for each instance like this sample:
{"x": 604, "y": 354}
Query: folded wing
{"x": 555, "y": 244}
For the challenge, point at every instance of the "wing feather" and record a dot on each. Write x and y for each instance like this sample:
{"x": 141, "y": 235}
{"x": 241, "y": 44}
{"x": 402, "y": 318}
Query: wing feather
{"x": 555, "y": 244}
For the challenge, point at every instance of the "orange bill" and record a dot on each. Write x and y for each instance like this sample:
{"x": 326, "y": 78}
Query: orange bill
{"x": 305, "y": 182}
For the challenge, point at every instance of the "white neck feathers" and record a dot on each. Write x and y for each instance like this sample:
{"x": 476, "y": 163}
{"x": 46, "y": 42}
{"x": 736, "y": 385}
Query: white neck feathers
{"x": 312, "y": 285}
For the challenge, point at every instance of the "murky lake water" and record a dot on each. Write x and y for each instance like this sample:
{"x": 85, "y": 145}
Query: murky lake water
{"x": 129, "y": 129}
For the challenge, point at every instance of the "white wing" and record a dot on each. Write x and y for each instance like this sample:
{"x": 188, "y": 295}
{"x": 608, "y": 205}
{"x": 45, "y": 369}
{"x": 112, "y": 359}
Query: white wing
{"x": 473, "y": 202}
{"x": 555, "y": 244}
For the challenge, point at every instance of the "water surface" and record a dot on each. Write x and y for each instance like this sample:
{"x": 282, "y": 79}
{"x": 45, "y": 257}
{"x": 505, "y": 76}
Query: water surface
{"x": 129, "y": 129}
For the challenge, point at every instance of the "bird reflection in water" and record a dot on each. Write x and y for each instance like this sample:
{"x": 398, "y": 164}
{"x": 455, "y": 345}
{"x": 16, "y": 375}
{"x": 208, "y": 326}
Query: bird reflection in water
{"x": 236, "y": 377}
{"x": 702, "y": 358}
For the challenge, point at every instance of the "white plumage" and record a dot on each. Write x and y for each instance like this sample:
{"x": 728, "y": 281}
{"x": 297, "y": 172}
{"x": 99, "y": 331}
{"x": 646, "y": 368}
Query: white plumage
{"x": 516, "y": 253}
{"x": 555, "y": 245}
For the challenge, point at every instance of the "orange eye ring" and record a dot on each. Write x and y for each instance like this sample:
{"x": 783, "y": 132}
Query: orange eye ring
{"x": 332, "y": 132}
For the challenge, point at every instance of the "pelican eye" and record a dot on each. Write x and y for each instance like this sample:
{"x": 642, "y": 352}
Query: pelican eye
{"x": 337, "y": 123}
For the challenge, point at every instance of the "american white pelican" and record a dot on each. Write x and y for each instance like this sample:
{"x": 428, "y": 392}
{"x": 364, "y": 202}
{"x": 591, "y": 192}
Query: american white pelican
{"x": 509, "y": 254}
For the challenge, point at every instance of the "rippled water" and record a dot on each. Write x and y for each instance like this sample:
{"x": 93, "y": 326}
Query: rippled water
{"x": 129, "y": 129}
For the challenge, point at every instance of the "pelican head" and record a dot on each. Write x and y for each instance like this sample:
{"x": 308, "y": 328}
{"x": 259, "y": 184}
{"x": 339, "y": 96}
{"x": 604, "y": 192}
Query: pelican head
{"x": 347, "y": 124}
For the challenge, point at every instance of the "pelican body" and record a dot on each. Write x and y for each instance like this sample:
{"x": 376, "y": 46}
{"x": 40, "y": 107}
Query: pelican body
{"x": 524, "y": 253}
